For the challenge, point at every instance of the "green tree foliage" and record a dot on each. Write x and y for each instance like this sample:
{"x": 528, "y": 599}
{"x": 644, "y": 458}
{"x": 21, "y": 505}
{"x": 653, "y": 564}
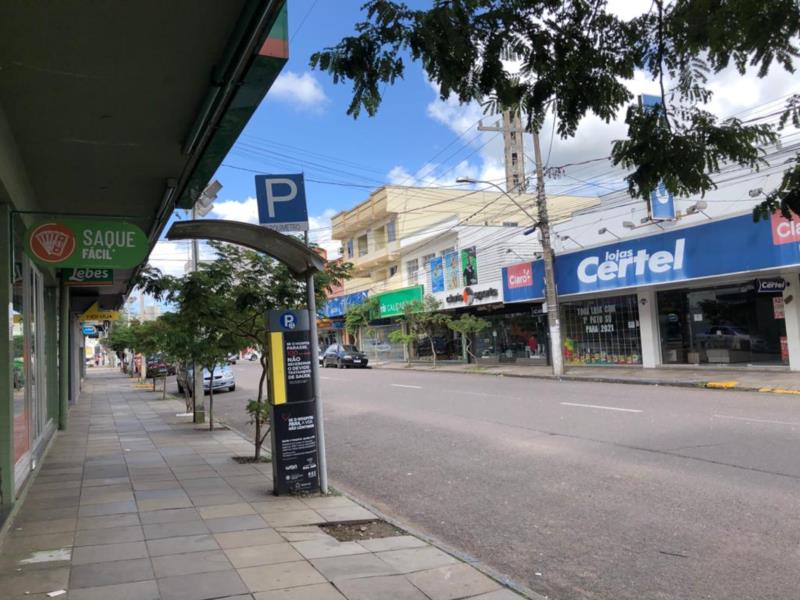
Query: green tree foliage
{"x": 468, "y": 325}
{"x": 359, "y": 316}
{"x": 398, "y": 336}
{"x": 234, "y": 293}
{"x": 575, "y": 59}
{"x": 423, "y": 318}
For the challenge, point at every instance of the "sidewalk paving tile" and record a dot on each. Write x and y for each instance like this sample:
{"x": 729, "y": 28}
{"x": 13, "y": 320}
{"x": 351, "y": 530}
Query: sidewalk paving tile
{"x": 108, "y": 552}
{"x": 503, "y": 594}
{"x": 226, "y": 510}
{"x": 351, "y": 567}
{"x": 103, "y": 522}
{"x": 346, "y": 513}
{"x": 253, "y": 556}
{"x": 302, "y": 533}
{"x": 110, "y": 573}
{"x": 398, "y": 542}
{"x": 252, "y": 537}
{"x": 416, "y": 559}
{"x": 321, "y": 591}
{"x": 454, "y": 581}
{"x": 186, "y": 564}
{"x": 157, "y": 531}
{"x": 181, "y": 545}
{"x": 327, "y": 547}
{"x": 284, "y": 575}
{"x": 293, "y": 517}
{"x": 240, "y": 523}
{"x": 26, "y": 583}
{"x": 109, "y": 535}
{"x": 201, "y": 586}
{"x": 396, "y": 587}
{"x": 140, "y": 590}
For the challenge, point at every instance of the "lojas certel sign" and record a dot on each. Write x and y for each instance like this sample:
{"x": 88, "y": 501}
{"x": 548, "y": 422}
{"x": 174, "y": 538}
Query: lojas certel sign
{"x": 719, "y": 247}
{"x": 76, "y": 243}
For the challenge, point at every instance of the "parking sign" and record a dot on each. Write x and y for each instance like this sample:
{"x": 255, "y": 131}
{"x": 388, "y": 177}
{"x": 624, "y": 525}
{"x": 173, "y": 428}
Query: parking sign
{"x": 282, "y": 202}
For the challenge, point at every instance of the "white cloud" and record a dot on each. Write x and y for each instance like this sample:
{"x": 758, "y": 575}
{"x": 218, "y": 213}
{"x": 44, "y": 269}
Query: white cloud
{"x": 235, "y": 210}
{"x": 172, "y": 257}
{"x": 303, "y": 91}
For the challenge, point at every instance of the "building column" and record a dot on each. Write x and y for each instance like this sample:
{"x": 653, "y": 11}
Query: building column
{"x": 791, "y": 302}
{"x": 6, "y": 367}
{"x": 64, "y": 357}
{"x": 51, "y": 351}
{"x": 648, "y": 328}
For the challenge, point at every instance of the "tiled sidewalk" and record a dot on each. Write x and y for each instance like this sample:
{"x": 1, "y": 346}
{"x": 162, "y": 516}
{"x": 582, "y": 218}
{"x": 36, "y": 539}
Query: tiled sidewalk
{"x": 134, "y": 503}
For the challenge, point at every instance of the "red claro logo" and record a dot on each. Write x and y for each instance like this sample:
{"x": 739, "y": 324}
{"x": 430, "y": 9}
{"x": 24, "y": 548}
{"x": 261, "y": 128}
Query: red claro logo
{"x": 519, "y": 276}
{"x": 785, "y": 231}
{"x": 52, "y": 242}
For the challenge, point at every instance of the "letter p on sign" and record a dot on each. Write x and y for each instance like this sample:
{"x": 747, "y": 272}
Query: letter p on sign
{"x": 282, "y": 202}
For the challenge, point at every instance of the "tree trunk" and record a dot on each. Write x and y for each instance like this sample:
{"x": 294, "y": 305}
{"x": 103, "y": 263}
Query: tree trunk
{"x": 258, "y": 437}
{"x": 433, "y": 350}
{"x": 164, "y": 390}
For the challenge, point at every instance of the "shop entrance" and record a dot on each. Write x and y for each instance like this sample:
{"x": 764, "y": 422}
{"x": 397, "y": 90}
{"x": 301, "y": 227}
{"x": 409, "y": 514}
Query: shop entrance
{"x": 730, "y": 324}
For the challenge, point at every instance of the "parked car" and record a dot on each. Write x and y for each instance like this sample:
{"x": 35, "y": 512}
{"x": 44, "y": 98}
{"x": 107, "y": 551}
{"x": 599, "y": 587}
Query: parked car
{"x": 224, "y": 378}
{"x": 253, "y": 356}
{"x": 320, "y": 354}
{"x": 344, "y": 356}
{"x": 233, "y": 358}
{"x": 158, "y": 366}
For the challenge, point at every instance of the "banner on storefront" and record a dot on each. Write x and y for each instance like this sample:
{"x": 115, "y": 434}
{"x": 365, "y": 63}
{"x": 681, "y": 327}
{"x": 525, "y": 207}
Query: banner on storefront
{"x": 338, "y": 305}
{"x": 436, "y": 265}
{"x": 86, "y": 243}
{"x": 720, "y": 247}
{"x": 469, "y": 265}
{"x": 452, "y": 279}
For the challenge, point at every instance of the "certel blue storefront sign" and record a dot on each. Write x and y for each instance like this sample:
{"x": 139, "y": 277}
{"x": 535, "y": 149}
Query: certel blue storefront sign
{"x": 338, "y": 305}
{"x": 721, "y": 247}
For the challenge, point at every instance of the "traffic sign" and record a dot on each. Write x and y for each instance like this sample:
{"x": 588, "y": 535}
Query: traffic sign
{"x": 89, "y": 330}
{"x": 282, "y": 202}
{"x": 662, "y": 203}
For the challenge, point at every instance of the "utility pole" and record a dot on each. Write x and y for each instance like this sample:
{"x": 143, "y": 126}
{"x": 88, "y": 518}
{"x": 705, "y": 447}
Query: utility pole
{"x": 515, "y": 181}
{"x": 198, "y": 393}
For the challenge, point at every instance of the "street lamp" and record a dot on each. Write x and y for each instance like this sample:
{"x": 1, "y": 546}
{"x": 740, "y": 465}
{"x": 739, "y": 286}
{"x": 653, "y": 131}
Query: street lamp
{"x": 543, "y": 224}
{"x": 604, "y": 230}
{"x": 512, "y": 251}
{"x": 564, "y": 238}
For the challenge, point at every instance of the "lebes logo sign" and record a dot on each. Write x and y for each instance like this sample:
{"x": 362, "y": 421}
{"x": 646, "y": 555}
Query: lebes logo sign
{"x": 785, "y": 231}
{"x": 52, "y": 242}
{"x": 519, "y": 276}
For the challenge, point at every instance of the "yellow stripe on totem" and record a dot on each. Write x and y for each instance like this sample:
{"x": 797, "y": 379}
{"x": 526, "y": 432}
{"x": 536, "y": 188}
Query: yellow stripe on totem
{"x": 277, "y": 368}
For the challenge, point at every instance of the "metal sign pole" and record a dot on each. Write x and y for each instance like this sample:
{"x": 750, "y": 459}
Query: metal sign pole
{"x": 312, "y": 310}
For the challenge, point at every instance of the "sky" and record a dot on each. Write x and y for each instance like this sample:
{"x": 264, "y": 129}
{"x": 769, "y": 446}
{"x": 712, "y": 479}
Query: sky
{"x": 415, "y": 138}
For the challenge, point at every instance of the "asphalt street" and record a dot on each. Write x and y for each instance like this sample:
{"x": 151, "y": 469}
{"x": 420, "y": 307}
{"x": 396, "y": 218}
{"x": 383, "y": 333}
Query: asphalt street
{"x": 576, "y": 490}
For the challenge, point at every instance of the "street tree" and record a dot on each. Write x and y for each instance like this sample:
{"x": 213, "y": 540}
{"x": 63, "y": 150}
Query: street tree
{"x": 359, "y": 316}
{"x": 574, "y": 58}
{"x": 468, "y": 325}
{"x": 236, "y": 290}
{"x": 399, "y": 336}
{"x": 119, "y": 339}
{"x": 424, "y": 318}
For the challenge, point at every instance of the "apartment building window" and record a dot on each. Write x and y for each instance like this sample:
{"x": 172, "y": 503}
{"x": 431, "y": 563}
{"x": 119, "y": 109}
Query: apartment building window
{"x": 426, "y": 259}
{"x": 447, "y": 251}
{"x": 392, "y": 270}
{"x": 412, "y": 271}
{"x": 391, "y": 231}
{"x": 362, "y": 245}
{"x": 349, "y": 248}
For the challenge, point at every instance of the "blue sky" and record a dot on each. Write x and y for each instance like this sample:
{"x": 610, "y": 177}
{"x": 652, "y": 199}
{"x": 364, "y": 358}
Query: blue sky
{"x": 415, "y": 139}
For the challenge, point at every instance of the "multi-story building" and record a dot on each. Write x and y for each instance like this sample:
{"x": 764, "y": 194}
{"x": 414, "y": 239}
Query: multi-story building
{"x": 406, "y": 242}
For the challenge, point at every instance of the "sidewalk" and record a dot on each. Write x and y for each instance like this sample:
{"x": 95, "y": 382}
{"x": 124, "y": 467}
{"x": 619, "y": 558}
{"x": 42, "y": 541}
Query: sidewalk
{"x": 777, "y": 381}
{"x": 134, "y": 503}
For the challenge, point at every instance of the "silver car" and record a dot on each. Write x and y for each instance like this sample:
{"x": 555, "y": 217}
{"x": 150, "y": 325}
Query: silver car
{"x": 224, "y": 379}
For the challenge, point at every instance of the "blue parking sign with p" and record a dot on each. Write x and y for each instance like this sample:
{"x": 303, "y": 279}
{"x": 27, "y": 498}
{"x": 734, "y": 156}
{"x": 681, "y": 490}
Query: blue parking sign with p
{"x": 282, "y": 202}
{"x": 662, "y": 203}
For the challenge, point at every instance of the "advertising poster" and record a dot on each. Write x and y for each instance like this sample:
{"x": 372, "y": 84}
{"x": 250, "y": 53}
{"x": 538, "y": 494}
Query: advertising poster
{"x": 469, "y": 265}
{"x": 437, "y": 275}
{"x": 451, "y": 271}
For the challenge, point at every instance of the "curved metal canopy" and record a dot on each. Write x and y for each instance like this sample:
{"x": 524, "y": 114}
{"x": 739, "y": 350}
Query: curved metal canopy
{"x": 300, "y": 259}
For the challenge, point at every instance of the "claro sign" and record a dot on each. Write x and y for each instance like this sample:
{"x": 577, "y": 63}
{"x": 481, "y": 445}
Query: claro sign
{"x": 719, "y": 247}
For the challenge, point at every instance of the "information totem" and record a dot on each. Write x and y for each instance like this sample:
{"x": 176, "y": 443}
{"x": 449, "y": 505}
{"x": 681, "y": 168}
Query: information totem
{"x": 292, "y": 403}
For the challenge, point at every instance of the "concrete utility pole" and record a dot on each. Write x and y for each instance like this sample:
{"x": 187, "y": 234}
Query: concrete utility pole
{"x": 198, "y": 393}
{"x": 515, "y": 180}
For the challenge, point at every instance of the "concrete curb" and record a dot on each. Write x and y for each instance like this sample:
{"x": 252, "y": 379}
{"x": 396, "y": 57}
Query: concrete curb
{"x": 710, "y": 385}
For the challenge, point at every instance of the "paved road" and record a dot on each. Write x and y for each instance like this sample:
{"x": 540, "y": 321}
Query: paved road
{"x": 577, "y": 490}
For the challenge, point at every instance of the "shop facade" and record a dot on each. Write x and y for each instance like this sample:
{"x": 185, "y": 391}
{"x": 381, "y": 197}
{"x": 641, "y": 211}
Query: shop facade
{"x": 719, "y": 293}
